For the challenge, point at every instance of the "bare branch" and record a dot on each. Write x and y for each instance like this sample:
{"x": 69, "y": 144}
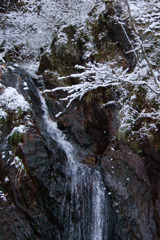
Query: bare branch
{"x": 142, "y": 45}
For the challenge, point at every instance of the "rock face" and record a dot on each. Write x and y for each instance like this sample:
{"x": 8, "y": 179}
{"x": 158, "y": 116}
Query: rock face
{"x": 80, "y": 148}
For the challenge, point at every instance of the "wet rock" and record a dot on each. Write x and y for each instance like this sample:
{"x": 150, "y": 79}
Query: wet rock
{"x": 90, "y": 125}
{"x": 32, "y": 175}
{"x": 36, "y": 194}
{"x": 130, "y": 189}
{"x": 129, "y": 175}
{"x": 13, "y": 222}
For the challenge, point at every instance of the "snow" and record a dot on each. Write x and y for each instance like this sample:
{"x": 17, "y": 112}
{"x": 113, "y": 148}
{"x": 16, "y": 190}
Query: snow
{"x": 80, "y": 67}
{"x": 58, "y": 114}
{"x": 6, "y": 179}
{"x": 32, "y": 26}
{"x": 3, "y": 114}
{"x": 3, "y": 196}
{"x": 20, "y": 129}
{"x": 17, "y": 162}
{"x": 12, "y": 100}
{"x": 97, "y": 75}
{"x": 62, "y": 38}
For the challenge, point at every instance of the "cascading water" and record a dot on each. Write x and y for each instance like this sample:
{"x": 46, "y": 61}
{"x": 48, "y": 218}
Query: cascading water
{"x": 86, "y": 210}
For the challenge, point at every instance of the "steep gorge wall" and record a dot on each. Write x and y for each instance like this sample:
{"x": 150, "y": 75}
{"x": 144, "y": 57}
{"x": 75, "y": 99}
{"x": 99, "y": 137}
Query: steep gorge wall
{"x": 32, "y": 164}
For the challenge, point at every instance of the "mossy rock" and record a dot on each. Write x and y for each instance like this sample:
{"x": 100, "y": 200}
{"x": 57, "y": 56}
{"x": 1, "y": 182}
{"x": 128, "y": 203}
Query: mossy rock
{"x": 66, "y": 52}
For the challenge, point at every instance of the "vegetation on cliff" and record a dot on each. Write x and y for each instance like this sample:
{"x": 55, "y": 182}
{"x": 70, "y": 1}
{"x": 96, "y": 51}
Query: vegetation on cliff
{"x": 90, "y": 68}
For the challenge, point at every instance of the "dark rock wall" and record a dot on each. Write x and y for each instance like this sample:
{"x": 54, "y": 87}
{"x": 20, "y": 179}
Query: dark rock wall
{"x": 31, "y": 194}
{"x": 32, "y": 199}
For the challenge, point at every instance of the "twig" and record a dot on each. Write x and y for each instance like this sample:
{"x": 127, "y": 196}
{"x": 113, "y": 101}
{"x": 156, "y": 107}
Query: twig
{"x": 142, "y": 46}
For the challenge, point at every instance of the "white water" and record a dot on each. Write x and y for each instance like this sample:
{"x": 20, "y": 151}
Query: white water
{"x": 87, "y": 189}
{"x": 98, "y": 207}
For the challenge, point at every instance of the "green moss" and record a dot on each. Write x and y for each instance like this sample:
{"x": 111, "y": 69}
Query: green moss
{"x": 139, "y": 151}
{"x": 2, "y": 120}
{"x": 107, "y": 93}
{"x": 66, "y": 54}
{"x": 64, "y": 57}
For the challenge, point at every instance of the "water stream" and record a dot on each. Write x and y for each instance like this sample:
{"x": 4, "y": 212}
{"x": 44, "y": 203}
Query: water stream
{"x": 86, "y": 212}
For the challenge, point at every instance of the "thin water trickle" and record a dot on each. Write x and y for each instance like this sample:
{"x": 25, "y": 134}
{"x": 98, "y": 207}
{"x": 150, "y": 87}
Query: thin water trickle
{"x": 88, "y": 203}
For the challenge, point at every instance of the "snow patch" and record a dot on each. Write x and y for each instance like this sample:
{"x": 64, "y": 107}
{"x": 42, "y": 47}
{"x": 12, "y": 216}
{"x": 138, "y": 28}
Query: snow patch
{"x": 20, "y": 129}
{"x": 3, "y": 196}
{"x": 3, "y": 114}
{"x": 13, "y": 101}
{"x": 6, "y": 179}
{"x": 17, "y": 162}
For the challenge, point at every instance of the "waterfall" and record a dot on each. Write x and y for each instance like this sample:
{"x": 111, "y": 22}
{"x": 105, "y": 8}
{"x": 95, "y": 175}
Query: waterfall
{"x": 86, "y": 211}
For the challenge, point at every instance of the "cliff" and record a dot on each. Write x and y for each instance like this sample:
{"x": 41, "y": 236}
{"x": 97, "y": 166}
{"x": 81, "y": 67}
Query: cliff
{"x": 79, "y": 120}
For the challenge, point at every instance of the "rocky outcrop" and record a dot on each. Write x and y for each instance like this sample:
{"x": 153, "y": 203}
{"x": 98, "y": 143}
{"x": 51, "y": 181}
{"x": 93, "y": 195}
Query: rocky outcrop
{"x": 103, "y": 37}
{"x": 125, "y": 173}
{"x": 31, "y": 196}
{"x": 27, "y": 166}
{"x": 130, "y": 174}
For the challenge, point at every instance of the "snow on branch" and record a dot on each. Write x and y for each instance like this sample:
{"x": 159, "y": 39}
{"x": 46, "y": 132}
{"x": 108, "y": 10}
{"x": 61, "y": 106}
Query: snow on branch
{"x": 99, "y": 75}
{"x": 141, "y": 44}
